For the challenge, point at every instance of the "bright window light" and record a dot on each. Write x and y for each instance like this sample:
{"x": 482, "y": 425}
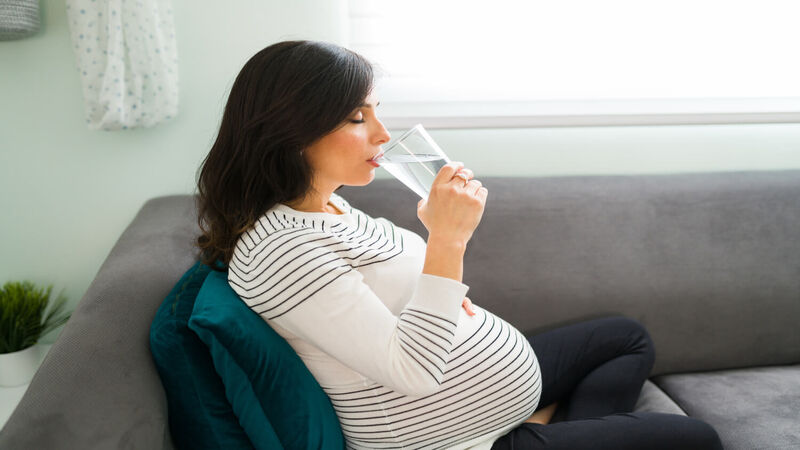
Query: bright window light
{"x": 510, "y": 58}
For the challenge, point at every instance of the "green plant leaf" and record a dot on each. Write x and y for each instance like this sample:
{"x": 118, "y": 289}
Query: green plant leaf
{"x": 28, "y": 312}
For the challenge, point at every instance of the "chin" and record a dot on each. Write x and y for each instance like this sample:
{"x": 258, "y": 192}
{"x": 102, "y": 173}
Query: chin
{"x": 369, "y": 178}
{"x": 361, "y": 181}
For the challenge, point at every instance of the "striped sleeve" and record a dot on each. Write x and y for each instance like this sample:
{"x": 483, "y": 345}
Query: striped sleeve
{"x": 305, "y": 284}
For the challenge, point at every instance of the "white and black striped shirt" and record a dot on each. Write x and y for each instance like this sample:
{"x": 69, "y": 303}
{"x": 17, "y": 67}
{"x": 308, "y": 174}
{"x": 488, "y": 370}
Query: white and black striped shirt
{"x": 403, "y": 364}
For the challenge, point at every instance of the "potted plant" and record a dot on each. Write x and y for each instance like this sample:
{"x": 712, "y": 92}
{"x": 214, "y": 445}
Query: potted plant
{"x": 26, "y": 314}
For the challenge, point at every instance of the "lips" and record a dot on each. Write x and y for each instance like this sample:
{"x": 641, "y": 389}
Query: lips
{"x": 374, "y": 161}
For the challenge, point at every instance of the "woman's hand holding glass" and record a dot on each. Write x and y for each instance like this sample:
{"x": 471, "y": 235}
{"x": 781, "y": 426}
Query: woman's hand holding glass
{"x": 455, "y": 205}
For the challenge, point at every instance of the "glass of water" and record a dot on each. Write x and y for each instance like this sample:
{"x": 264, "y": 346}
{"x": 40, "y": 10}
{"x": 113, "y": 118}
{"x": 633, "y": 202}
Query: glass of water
{"x": 414, "y": 159}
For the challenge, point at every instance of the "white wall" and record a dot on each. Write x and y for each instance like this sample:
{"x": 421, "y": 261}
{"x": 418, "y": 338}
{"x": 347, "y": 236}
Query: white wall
{"x": 67, "y": 192}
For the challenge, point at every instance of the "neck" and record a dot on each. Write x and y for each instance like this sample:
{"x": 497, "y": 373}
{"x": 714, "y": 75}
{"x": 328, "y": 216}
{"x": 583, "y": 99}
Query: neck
{"x": 314, "y": 203}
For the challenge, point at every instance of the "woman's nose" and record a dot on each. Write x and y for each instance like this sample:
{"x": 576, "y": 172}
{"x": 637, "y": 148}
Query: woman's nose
{"x": 382, "y": 134}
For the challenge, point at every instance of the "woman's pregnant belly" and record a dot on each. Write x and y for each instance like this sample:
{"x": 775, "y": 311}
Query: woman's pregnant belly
{"x": 491, "y": 383}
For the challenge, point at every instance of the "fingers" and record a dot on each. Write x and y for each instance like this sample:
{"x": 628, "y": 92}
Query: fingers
{"x": 473, "y": 186}
{"x": 482, "y": 193}
{"x": 455, "y": 172}
{"x": 465, "y": 174}
{"x": 447, "y": 172}
{"x": 467, "y": 305}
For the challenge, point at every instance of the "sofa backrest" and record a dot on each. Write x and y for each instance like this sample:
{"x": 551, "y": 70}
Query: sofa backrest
{"x": 709, "y": 262}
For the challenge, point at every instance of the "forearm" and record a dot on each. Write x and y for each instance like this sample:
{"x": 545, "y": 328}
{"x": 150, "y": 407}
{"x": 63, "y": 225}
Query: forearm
{"x": 444, "y": 257}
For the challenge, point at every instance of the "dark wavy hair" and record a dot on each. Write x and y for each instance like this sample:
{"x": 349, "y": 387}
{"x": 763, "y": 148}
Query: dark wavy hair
{"x": 286, "y": 97}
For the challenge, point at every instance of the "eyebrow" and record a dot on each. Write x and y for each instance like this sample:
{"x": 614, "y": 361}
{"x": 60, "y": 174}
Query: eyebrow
{"x": 367, "y": 105}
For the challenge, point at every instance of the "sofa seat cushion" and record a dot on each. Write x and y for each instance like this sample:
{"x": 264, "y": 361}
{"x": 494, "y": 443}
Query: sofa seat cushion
{"x": 653, "y": 399}
{"x": 749, "y": 408}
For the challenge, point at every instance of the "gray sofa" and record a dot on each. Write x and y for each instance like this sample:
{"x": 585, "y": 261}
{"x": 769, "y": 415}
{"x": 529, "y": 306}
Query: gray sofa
{"x": 710, "y": 263}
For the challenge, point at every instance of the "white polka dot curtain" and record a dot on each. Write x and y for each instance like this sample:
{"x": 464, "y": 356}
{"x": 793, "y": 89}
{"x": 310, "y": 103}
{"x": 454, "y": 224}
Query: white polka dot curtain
{"x": 127, "y": 60}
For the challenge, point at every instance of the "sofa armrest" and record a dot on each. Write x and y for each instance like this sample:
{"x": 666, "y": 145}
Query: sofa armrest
{"x": 98, "y": 386}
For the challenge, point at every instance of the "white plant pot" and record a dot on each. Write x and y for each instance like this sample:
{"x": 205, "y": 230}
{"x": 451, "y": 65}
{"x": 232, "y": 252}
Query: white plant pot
{"x": 18, "y": 368}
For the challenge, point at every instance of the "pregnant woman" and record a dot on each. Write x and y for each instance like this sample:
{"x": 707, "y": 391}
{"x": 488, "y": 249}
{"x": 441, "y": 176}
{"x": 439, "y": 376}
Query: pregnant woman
{"x": 379, "y": 315}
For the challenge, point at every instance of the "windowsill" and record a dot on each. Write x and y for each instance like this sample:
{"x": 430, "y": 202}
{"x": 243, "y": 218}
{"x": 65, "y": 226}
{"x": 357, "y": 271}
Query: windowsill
{"x": 462, "y": 115}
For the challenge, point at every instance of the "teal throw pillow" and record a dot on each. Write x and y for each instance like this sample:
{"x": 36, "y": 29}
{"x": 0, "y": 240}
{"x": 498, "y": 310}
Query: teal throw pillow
{"x": 264, "y": 379}
{"x": 199, "y": 414}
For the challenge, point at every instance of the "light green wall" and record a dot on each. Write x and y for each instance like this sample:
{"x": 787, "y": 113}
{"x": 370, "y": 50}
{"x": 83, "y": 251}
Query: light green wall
{"x": 68, "y": 193}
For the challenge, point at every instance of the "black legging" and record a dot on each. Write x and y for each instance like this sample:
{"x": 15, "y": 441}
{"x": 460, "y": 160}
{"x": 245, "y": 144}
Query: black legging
{"x": 595, "y": 371}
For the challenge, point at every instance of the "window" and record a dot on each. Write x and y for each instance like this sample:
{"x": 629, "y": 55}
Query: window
{"x": 581, "y": 62}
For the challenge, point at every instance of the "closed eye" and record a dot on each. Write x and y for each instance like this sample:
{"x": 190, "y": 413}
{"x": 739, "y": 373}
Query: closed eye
{"x": 359, "y": 118}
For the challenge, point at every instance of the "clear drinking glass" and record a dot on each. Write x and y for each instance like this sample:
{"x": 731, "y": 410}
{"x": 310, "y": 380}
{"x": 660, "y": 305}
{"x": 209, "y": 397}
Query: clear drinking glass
{"x": 414, "y": 159}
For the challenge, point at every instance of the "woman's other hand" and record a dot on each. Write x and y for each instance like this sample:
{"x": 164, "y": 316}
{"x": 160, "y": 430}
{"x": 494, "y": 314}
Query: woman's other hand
{"x": 467, "y": 305}
{"x": 455, "y": 205}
